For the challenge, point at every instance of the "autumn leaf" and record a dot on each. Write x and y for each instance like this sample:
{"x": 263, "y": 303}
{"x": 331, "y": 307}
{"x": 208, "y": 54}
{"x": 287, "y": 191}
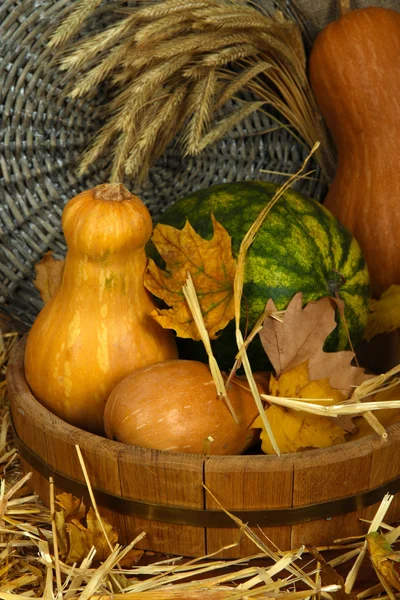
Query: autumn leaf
{"x": 296, "y": 430}
{"x": 48, "y": 276}
{"x": 212, "y": 268}
{"x": 385, "y": 313}
{"x": 72, "y": 508}
{"x": 299, "y": 335}
{"x": 81, "y": 538}
{"x": 384, "y": 559}
{"x": 78, "y": 531}
{"x": 338, "y": 368}
{"x": 296, "y": 384}
{"x": 328, "y": 576}
{"x": 387, "y": 417}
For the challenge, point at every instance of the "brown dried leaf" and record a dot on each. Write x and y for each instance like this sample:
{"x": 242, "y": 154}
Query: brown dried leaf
{"x": 48, "y": 276}
{"x": 331, "y": 577}
{"x": 212, "y": 268}
{"x": 384, "y": 559}
{"x": 337, "y": 367}
{"x": 75, "y": 539}
{"x": 300, "y": 337}
{"x": 72, "y": 507}
{"x": 301, "y": 333}
{"x": 131, "y": 558}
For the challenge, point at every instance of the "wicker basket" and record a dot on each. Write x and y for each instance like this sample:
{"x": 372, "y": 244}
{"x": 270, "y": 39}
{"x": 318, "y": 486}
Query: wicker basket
{"x": 44, "y": 135}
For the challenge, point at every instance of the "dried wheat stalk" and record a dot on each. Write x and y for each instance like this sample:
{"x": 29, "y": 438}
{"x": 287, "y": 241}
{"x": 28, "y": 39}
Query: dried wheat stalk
{"x": 173, "y": 65}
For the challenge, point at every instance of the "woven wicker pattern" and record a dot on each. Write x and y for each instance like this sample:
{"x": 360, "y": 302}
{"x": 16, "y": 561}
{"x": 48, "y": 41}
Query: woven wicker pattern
{"x": 42, "y": 136}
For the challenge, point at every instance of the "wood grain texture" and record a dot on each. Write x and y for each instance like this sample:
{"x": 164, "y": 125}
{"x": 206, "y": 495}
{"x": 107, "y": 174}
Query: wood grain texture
{"x": 165, "y": 478}
{"x": 328, "y": 474}
{"x": 384, "y": 467}
{"x": 253, "y": 482}
{"x": 54, "y": 441}
{"x": 238, "y": 482}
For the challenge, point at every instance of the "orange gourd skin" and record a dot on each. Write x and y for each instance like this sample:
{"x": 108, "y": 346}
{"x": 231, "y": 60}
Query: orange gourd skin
{"x": 96, "y": 328}
{"x": 173, "y": 406}
{"x": 355, "y": 75}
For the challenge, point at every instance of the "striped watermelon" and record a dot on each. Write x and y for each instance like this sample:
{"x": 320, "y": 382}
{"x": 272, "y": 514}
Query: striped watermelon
{"x": 301, "y": 246}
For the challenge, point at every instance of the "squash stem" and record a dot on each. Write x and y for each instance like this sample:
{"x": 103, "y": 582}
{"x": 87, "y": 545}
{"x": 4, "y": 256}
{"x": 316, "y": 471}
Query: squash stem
{"x": 115, "y": 192}
{"x": 344, "y": 7}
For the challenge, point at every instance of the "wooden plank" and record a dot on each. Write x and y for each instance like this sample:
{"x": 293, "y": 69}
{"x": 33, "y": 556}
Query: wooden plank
{"x": 248, "y": 482}
{"x": 53, "y": 440}
{"x": 164, "y": 478}
{"x": 385, "y": 466}
{"x": 329, "y": 474}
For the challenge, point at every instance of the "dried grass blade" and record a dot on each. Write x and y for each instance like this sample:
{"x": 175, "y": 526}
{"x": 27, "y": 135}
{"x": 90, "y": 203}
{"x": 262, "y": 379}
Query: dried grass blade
{"x": 225, "y": 125}
{"x": 4, "y": 426}
{"x": 73, "y": 22}
{"x": 335, "y": 410}
{"x": 189, "y": 292}
{"x": 153, "y": 123}
{"x": 103, "y": 139}
{"x": 228, "y": 55}
{"x": 197, "y": 44}
{"x": 76, "y": 580}
{"x": 238, "y": 292}
{"x": 46, "y": 558}
{"x": 87, "y": 83}
{"x": 377, "y": 384}
{"x": 92, "y": 498}
{"x": 393, "y": 535}
{"x": 162, "y": 29}
{"x": 238, "y": 361}
{"x": 386, "y": 586}
{"x": 12, "y": 596}
{"x": 101, "y": 572}
{"x": 5, "y": 496}
{"x": 55, "y": 539}
{"x": 162, "y": 9}
{"x": 243, "y": 527}
{"x": 238, "y": 82}
{"x": 201, "y": 100}
{"x": 89, "y": 48}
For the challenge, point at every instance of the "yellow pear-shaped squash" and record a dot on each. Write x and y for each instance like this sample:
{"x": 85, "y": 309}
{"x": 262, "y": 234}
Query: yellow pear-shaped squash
{"x": 96, "y": 328}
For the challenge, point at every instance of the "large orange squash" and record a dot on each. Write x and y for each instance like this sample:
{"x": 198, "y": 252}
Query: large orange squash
{"x": 96, "y": 328}
{"x": 174, "y": 406}
{"x": 355, "y": 76}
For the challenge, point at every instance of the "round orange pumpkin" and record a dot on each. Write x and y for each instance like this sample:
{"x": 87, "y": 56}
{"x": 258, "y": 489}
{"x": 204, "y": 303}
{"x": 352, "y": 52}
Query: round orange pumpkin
{"x": 173, "y": 405}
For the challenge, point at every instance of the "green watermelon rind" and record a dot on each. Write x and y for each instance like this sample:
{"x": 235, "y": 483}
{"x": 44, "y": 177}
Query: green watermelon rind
{"x": 296, "y": 231}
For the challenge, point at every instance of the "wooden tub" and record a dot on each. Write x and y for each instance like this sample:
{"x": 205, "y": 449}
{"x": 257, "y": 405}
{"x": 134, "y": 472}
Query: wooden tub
{"x": 306, "y": 498}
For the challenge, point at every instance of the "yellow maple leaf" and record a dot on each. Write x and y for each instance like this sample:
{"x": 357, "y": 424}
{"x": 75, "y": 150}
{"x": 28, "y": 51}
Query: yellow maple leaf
{"x": 293, "y": 429}
{"x": 48, "y": 275}
{"x": 212, "y": 267}
{"x": 295, "y": 384}
{"x": 385, "y": 313}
